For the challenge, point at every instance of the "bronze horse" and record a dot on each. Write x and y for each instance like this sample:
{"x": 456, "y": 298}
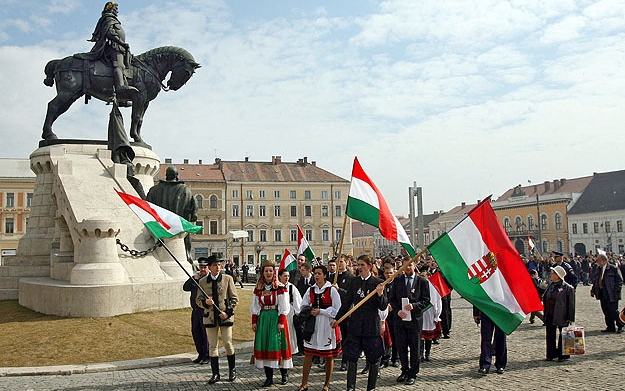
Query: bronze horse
{"x": 76, "y": 77}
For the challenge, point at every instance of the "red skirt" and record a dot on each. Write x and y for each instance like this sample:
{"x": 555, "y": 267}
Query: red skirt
{"x": 433, "y": 334}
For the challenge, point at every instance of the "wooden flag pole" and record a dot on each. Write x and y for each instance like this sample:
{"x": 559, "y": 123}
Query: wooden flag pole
{"x": 361, "y": 302}
{"x": 336, "y": 272}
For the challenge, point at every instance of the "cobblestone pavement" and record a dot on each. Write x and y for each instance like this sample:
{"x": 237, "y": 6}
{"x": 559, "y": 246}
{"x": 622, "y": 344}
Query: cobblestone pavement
{"x": 454, "y": 365}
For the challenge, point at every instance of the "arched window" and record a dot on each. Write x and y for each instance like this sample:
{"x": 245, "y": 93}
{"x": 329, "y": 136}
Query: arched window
{"x": 518, "y": 224}
{"x": 200, "y": 201}
{"x": 530, "y": 223}
{"x": 506, "y": 224}
{"x": 213, "y": 201}
{"x": 558, "y": 221}
{"x": 543, "y": 221}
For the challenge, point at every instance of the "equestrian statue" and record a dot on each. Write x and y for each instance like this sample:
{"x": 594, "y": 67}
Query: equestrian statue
{"x": 109, "y": 72}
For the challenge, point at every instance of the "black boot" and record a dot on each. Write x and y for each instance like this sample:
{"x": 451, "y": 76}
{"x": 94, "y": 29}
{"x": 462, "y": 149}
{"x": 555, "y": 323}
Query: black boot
{"x": 215, "y": 368}
{"x": 285, "y": 376}
{"x": 428, "y": 348}
{"x": 269, "y": 377}
{"x": 374, "y": 370}
{"x": 365, "y": 370}
{"x": 232, "y": 372}
{"x": 352, "y": 367}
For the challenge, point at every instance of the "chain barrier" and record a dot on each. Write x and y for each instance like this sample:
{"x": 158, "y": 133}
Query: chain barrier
{"x": 136, "y": 253}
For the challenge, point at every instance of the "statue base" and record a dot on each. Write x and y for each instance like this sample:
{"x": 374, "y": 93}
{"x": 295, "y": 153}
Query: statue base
{"x": 76, "y": 219}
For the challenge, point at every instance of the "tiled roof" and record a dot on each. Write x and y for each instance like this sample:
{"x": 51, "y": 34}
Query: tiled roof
{"x": 605, "y": 192}
{"x": 193, "y": 172}
{"x": 277, "y": 171}
{"x": 557, "y": 186}
{"x": 15, "y": 168}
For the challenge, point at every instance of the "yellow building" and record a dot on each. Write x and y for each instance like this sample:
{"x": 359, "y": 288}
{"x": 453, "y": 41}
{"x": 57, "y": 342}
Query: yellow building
{"x": 17, "y": 183}
{"x": 518, "y": 210}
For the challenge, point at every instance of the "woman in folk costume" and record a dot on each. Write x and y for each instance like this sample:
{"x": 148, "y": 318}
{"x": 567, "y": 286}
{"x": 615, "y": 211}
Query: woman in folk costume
{"x": 270, "y": 306}
{"x": 295, "y": 300}
{"x": 432, "y": 328}
{"x": 325, "y": 340}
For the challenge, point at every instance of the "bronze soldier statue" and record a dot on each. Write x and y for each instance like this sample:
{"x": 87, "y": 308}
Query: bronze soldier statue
{"x": 110, "y": 46}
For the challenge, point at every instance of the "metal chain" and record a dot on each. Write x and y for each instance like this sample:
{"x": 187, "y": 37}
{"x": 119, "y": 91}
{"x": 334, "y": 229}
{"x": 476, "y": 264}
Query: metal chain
{"x": 136, "y": 253}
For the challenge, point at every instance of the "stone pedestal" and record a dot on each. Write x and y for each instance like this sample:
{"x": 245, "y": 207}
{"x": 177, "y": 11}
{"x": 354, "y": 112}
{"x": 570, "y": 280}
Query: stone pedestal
{"x": 75, "y": 221}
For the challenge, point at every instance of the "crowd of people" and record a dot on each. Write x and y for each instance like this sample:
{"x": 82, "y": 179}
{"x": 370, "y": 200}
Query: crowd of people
{"x": 345, "y": 310}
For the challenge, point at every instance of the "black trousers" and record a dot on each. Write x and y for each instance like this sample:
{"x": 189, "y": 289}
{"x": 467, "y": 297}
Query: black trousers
{"x": 199, "y": 332}
{"x": 554, "y": 350}
{"x": 610, "y": 313}
{"x": 408, "y": 348}
{"x": 487, "y": 329}
{"x": 446, "y": 314}
{"x": 372, "y": 346}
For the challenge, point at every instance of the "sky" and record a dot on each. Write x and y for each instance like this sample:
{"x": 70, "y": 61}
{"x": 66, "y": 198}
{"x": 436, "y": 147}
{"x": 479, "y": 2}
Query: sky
{"x": 465, "y": 98}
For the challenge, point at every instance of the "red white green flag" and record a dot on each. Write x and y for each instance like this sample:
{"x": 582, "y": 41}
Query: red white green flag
{"x": 530, "y": 244}
{"x": 479, "y": 261}
{"x": 303, "y": 247}
{"x": 288, "y": 261}
{"x": 161, "y": 222}
{"x": 438, "y": 282}
{"x": 365, "y": 203}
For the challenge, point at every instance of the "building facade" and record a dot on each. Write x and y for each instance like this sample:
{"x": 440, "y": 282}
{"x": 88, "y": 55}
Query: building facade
{"x": 267, "y": 200}
{"x": 17, "y": 183}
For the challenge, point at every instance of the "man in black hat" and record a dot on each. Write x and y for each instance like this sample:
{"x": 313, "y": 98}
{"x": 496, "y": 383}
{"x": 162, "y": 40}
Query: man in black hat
{"x": 570, "y": 277}
{"x": 197, "y": 314}
{"x": 219, "y": 315}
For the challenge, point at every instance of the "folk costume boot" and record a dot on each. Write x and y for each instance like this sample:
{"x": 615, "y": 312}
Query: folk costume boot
{"x": 232, "y": 372}
{"x": 269, "y": 377}
{"x": 285, "y": 376}
{"x": 352, "y": 367}
{"x": 374, "y": 370}
{"x": 215, "y": 368}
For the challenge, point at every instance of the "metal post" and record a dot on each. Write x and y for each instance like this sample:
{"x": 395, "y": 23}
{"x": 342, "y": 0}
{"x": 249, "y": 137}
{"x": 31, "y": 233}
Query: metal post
{"x": 421, "y": 241}
{"x": 540, "y": 235}
{"x": 413, "y": 225}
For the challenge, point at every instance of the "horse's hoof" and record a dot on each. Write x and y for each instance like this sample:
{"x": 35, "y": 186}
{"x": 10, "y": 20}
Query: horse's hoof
{"x": 49, "y": 136}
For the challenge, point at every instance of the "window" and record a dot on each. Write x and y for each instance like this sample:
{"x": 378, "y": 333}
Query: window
{"x": 277, "y": 235}
{"x": 29, "y": 200}
{"x": 338, "y": 234}
{"x": 212, "y": 227}
{"x": 276, "y": 194}
{"x": 248, "y": 194}
{"x": 337, "y": 211}
{"x": 235, "y": 210}
{"x": 199, "y": 200}
{"x": 263, "y": 235}
{"x": 293, "y": 211}
{"x": 506, "y": 224}
{"x": 235, "y": 193}
{"x": 595, "y": 227}
{"x": 201, "y": 252}
{"x": 250, "y": 235}
{"x": 607, "y": 226}
{"x": 213, "y": 201}
{"x": 585, "y": 228}
{"x": 337, "y": 194}
{"x": 574, "y": 228}
{"x": 543, "y": 222}
{"x": 619, "y": 225}
{"x": 10, "y": 200}
{"x": 325, "y": 235}
{"x": 9, "y": 224}
{"x": 308, "y": 234}
{"x": 199, "y": 223}
{"x": 518, "y": 223}
{"x": 261, "y": 193}
{"x": 530, "y": 223}
{"x": 249, "y": 210}
{"x": 307, "y": 194}
{"x": 307, "y": 210}
{"x": 293, "y": 235}
{"x": 262, "y": 211}
{"x": 293, "y": 194}
{"x": 324, "y": 194}
{"x": 276, "y": 211}
{"x": 324, "y": 210}
{"x": 558, "y": 218}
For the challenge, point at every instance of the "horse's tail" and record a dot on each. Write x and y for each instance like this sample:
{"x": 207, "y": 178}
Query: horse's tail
{"x": 50, "y": 69}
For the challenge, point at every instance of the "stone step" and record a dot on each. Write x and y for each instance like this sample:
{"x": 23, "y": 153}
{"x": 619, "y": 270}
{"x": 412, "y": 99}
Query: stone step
{"x": 30, "y": 261}
{"x": 24, "y": 271}
{"x": 9, "y": 282}
{"x": 9, "y": 294}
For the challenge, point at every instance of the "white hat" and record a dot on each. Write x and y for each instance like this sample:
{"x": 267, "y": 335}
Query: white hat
{"x": 559, "y": 270}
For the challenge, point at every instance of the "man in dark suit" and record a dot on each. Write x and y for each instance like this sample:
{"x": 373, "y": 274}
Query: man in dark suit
{"x": 302, "y": 284}
{"x": 415, "y": 289}
{"x": 363, "y": 332}
{"x": 606, "y": 288}
{"x": 343, "y": 282}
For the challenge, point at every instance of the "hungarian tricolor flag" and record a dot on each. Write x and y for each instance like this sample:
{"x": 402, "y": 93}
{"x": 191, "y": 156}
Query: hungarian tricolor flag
{"x": 439, "y": 284}
{"x": 365, "y": 203}
{"x": 303, "y": 247}
{"x": 479, "y": 261}
{"x": 161, "y": 222}
{"x": 288, "y": 261}
{"x": 530, "y": 244}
